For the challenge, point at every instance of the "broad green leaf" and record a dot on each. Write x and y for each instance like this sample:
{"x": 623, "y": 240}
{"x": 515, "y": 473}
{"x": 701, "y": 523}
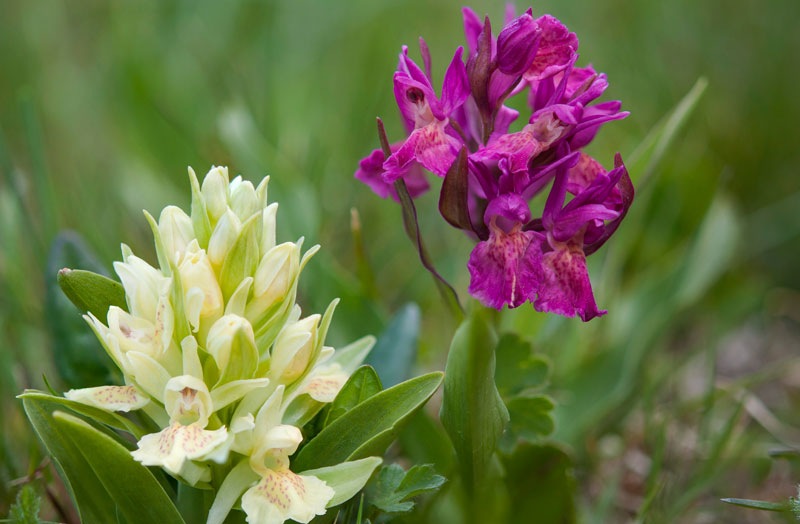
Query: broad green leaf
{"x": 472, "y": 411}
{"x": 94, "y": 467}
{"x": 368, "y": 428}
{"x": 643, "y": 162}
{"x": 394, "y": 487}
{"x": 539, "y": 481}
{"x": 91, "y": 292}
{"x": 346, "y": 478}
{"x": 137, "y": 495}
{"x": 361, "y": 385}
{"x": 79, "y": 357}
{"x": 395, "y": 352}
{"x": 757, "y": 504}
{"x": 518, "y": 368}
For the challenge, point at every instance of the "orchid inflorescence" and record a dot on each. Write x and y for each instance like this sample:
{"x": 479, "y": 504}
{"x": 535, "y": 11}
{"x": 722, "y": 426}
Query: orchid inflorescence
{"x": 213, "y": 349}
{"x": 491, "y": 174}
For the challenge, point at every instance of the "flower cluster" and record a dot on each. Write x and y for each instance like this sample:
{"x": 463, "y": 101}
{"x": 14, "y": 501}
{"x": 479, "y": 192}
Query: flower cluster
{"x": 214, "y": 350}
{"x": 491, "y": 174}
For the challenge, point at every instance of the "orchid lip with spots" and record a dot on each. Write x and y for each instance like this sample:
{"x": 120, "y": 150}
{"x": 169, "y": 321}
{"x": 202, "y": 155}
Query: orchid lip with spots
{"x": 523, "y": 254}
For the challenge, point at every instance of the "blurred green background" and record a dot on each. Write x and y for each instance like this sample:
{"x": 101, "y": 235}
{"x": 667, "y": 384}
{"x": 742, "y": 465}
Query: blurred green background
{"x": 667, "y": 404}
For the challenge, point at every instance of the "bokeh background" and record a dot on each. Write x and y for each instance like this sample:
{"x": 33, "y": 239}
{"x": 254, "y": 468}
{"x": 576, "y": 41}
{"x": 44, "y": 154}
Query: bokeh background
{"x": 669, "y": 403}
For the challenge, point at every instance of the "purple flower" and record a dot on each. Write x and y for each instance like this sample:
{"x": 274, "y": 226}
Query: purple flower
{"x": 517, "y": 44}
{"x": 370, "y": 171}
{"x": 430, "y": 143}
{"x": 504, "y": 269}
{"x": 557, "y": 49}
{"x": 565, "y": 287}
{"x": 521, "y": 255}
{"x": 547, "y": 127}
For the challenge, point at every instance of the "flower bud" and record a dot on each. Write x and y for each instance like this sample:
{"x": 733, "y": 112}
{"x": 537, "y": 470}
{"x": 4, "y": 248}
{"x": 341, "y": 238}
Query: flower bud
{"x": 224, "y": 237}
{"x": 268, "y": 228}
{"x": 244, "y": 201}
{"x": 201, "y": 291}
{"x": 294, "y": 349}
{"x": 215, "y": 192}
{"x": 176, "y": 231}
{"x": 517, "y": 44}
{"x": 232, "y": 344}
{"x": 273, "y": 279}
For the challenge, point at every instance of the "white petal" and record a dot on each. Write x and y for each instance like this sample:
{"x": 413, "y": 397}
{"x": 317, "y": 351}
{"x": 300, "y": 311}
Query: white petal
{"x": 282, "y": 495}
{"x": 109, "y": 398}
{"x": 324, "y": 383}
{"x": 172, "y": 446}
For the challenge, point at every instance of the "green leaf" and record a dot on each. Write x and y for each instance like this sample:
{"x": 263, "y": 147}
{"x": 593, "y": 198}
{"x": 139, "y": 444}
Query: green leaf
{"x": 105, "y": 483}
{"x": 347, "y": 478}
{"x": 518, "y": 368}
{"x": 757, "y": 504}
{"x": 361, "y": 385}
{"x": 395, "y": 352}
{"x": 368, "y": 428}
{"x": 79, "y": 357}
{"x": 531, "y": 418}
{"x": 647, "y": 157}
{"x": 539, "y": 482}
{"x": 425, "y": 441}
{"x": 395, "y": 487}
{"x": 26, "y": 508}
{"x": 91, "y": 292}
{"x": 472, "y": 411}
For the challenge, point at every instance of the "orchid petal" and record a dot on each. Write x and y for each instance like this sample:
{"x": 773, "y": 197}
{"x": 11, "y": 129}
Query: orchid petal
{"x": 110, "y": 398}
{"x": 282, "y": 495}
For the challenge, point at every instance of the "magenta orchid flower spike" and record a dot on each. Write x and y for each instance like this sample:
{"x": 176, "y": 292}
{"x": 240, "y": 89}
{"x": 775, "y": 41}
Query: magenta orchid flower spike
{"x": 491, "y": 175}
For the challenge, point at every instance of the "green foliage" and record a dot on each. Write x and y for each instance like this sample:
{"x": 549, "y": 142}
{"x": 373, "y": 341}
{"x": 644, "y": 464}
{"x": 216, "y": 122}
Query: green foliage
{"x": 368, "y": 428}
{"x": 757, "y": 504}
{"x": 91, "y": 292}
{"x": 548, "y": 469}
{"x": 80, "y": 359}
{"x": 472, "y": 411}
{"x": 124, "y": 493}
{"x": 394, "y": 487}
{"x": 518, "y": 368}
{"x": 361, "y": 385}
{"x": 26, "y": 509}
